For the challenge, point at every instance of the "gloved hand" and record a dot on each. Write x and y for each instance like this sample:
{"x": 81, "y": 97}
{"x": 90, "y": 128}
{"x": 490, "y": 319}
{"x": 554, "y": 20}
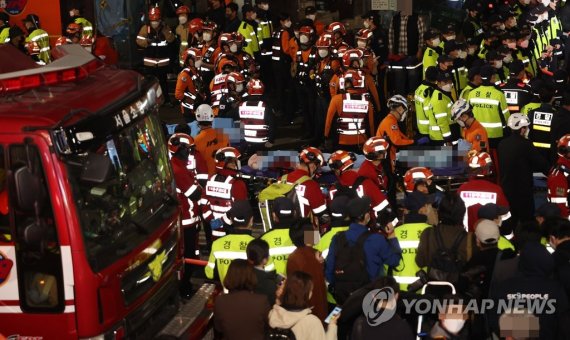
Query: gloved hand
{"x": 422, "y": 141}
{"x": 216, "y": 223}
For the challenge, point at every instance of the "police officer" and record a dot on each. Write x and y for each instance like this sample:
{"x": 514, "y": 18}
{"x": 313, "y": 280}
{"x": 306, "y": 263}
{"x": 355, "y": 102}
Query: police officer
{"x": 182, "y": 31}
{"x": 155, "y": 38}
{"x": 256, "y": 118}
{"x": 422, "y": 99}
{"x": 433, "y": 50}
{"x": 558, "y": 181}
{"x": 472, "y": 28}
{"x": 231, "y": 99}
{"x": 490, "y": 107}
{"x": 232, "y": 246}
{"x": 265, "y": 32}
{"x": 541, "y": 122}
{"x": 524, "y": 52}
{"x": 189, "y": 85}
{"x": 517, "y": 92}
{"x": 441, "y": 128}
{"x": 248, "y": 29}
{"x": 352, "y": 111}
{"x": 209, "y": 50}
{"x": 189, "y": 192}
{"x": 38, "y": 36}
{"x": 473, "y": 132}
{"x": 280, "y": 244}
{"x": 418, "y": 207}
{"x": 4, "y": 28}
{"x": 474, "y": 77}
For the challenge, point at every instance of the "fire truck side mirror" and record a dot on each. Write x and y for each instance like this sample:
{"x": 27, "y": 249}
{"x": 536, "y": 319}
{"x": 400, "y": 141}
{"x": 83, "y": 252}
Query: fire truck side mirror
{"x": 29, "y": 191}
{"x": 97, "y": 168}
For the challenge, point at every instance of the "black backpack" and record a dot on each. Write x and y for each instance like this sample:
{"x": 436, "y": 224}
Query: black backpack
{"x": 280, "y": 334}
{"x": 445, "y": 264}
{"x": 350, "y": 266}
{"x": 349, "y": 191}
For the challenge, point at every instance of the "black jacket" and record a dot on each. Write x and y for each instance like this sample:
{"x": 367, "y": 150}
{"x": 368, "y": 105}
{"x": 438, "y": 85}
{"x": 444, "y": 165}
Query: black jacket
{"x": 266, "y": 284}
{"x": 562, "y": 263}
{"x": 395, "y": 328}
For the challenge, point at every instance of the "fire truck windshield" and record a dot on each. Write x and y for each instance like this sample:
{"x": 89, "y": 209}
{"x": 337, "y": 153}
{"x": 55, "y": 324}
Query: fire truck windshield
{"x": 119, "y": 209}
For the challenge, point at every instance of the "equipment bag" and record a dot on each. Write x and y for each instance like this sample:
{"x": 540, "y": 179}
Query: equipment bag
{"x": 349, "y": 191}
{"x": 350, "y": 266}
{"x": 275, "y": 190}
{"x": 445, "y": 264}
{"x": 280, "y": 334}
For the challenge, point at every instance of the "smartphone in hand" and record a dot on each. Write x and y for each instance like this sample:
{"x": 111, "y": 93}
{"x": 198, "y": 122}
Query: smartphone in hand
{"x": 334, "y": 313}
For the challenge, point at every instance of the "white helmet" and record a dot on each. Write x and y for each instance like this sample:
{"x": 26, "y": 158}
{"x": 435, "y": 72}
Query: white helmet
{"x": 204, "y": 113}
{"x": 460, "y": 107}
{"x": 518, "y": 121}
{"x": 396, "y": 101}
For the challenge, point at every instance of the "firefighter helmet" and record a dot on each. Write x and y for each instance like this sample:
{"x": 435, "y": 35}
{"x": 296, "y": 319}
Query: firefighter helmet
{"x": 352, "y": 55}
{"x": 204, "y": 113}
{"x": 355, "y": 77}
{"x": 416, "y": 175}
{"x": 480, "y": 163}
{"x": 238, "y": 38}
{"x": 517, "y": 121}
{"x": 563, "y": 146}
{"x": 177, "y": 139}
{"x": 226, "y": 155}
{"x": 225, "y": 39}
{"x": 375, "y": 148}
{"x": 73, "y": 28}
{"x": 460, "y": 107}
{"x": 255, "y": 87}
{"x": 227, "y": 63}
{"x": 34, "y": 19}
{"x": 191, "y": 53}
{"x": 209, "y": 26}
{"x": 182, "y": 10}
{"x": 335, "y": 27}
{"x": 307, "y": 30}
{"x": 311, "y": 155}
{"x": 154, "y": 14}
{"x": 342, "y": 160}
{"x": 234, "y": 78}
{"x": 195, "y": 25}
{"x": 323, "y": 42}
{"x": 396, "y": 101}
{"x": 364, "y": 34}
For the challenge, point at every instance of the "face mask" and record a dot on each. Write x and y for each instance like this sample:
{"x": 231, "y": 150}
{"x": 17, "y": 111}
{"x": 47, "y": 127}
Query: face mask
{"x": 514, "y": 23}
{"x": 546, "y": 2}
{"x": 524, "y": 44}
{"x": 311, "y": 17}
{"x": 287, "y": 24}
{"x": 233, "y": 48}
{"x": 304, "y": 39}
{"x": 453, "y": 325}
{"x": 498, "y": 64}
{"x": 526, "y": 132}
{"x": 461, "y": 123}
{"x": 366, "y": 24}
{"x": 72, "y": 13}
{"x": 462, "y": 55}
{"x": 512, "y": 46}
{"x": 502, "y": 27}
{"x": 297, "y": 35}
{"x": 239, "y": 88}
{"x": 403, "y": 116}
{"x": 436, "y": 42}
{"x": 361, "y": 44}
{"x": 323, "y": 53}
{"x": 447, "y": 87}
{"x": 264, "y": 7}
{"x": 182, "y": 19}
{"x": 508, "y": 59}
{"x": 207, "y": 36}
{"x": 198, "y": 63}
{"x": 450, "y": 37}
{"x": 154, "y": 24}
{"x": 471, "y": 50}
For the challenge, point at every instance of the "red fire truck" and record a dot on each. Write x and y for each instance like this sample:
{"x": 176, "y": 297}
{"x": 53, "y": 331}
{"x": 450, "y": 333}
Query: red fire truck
{"x": 89, "y": 220}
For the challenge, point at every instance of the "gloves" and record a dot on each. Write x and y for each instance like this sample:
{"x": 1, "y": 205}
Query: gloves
{"x": 216, "y": 223}
{"x": 423, "y": 141}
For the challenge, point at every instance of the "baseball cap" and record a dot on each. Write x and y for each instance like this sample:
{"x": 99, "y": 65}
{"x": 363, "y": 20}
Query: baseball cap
{"x": 247, "y": 8}
{"x": 451, "y": 45}
{"x": 283, "y": 207}
{"x": 444, "y": 58}
{"x": 487, "y": 71}
{"x": 368, "y": 15}
{"x": 416, "y": 200}
{"x": 494, "y": 55}
{"x": 491, "y": 211}
{"x": 547, "y": 210}
{"x": 450, "y": 28}
{"x": 516, "y": 67}
{"x": 240, "y": 212}
{"x": 431, "y": 73}
{"x": 444, "y": 76}
{"x": 358, "y": 206}
{"x": 487, "y": 232}
{"x": 431, "y": 34}
{"x": 338, "y": 206}
{"x": 310, "y": 10}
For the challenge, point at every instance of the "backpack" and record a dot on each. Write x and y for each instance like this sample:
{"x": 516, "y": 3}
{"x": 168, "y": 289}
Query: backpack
{"x": 349, "y": 191}
{"x": 275, "y": 190}
{"x": 280, "y": 334}
{"x": 445, "y": 264}
{"x": 349, "y": 267}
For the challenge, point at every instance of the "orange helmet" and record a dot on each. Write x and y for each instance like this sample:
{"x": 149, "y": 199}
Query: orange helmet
{"x": 351, "y": 55}
{"x": 342, "y": 160}
{"x": 238, "y": 38}
{"x": 375, "y": 148}
{"x": 416, "y": 175}
{"x": 74, "y": 28}
{"x": 337, "y": 27}
{"x": 62, "y": 41}
{"x": 227, "y": 155}
{"x": 480, "y": 163}
{"x": 192, "y": 53}
{"x": 307, "y": 30}
{"x": 209, "y": 26}
{"x": 312, "y": 155}
{"x": 225, "y": 39}
{"x": 234, "y": 78}
{"x": 255, "y": 87}
{"x": 182, "y": 10}
{"x": 195, "y": 25}
{"x": 177, "y": 139}
{"x": 225, "y": 62}
{"x": 341, "y": 51}
{"x": 355, "y": 77}
{"x": 364, "y": 34}
{"x": 154, "y": 14}
{"x": 323, "y": 42}
{"x": 563, "y": 146}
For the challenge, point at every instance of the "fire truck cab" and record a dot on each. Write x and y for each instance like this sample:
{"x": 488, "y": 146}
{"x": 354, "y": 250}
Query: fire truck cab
{"x": 89, "y": 220}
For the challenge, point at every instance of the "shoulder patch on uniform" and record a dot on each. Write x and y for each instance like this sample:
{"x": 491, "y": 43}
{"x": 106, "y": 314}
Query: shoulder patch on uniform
{"x": 183, "y": 78}
{"x": 439, "y": 95}
{"x": 478, "y": 137}
{"x": 395, "y": 127}
{"x": 561, "y": 192}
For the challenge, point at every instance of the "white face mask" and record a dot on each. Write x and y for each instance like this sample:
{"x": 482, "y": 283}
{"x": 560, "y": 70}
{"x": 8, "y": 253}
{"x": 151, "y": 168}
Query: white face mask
{"x": 498, "y": 64}
{"x": 502, "y": 27}
{"x": 462, "y": 55}
{"x": 287, "y": 24}
{"x": 508, "y": 59}
{"x": 447, "y": 87}
{"x": 311, "y": 17}
{"x": 233, "y": 48}
{"x": 512, "y": 46}
{"x": 461, "y": 123}
{"x": 366, "y": 24}
{"x": 239, "y": 88}
{"x": 361, "y": 44}
{"x": 264, "y": 7}
{"x": 453, "y": 325}
{"x": 182, "y": 19}
{"x": 546, "y": 2}
{"x": 524, "y": 44}
{"x": 154, "y": 24}
{"x": 297, "y": 35}
{"x": 450, "y": 37}
{"x": 436, "y": 42}
{"x": 323, "y": 53}
{"x": 72, "y": 13}
{"x": 304, "y": 39}
{"x": 207, "y": 36}
{"x": 198, "y": 63}
{"x": 404, "y": 115}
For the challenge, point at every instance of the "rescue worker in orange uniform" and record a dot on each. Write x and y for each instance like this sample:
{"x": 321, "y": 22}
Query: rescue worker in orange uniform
{"x": 337, "y": 30}
{"x": 257, "y": 119}
{"x": 281, "y": 65}
{"x": 189, "y": 192}
{"x": 559, "y": 177}
{"x": 209, "y": 53}
{"x": 390, "y": 130}
{"x": 363, "y": 40}
{"x": 304, "y": 75}
{"x": 189, "y": 86}
{"x": 218, "y": 83}
{"x": 472, "y": 131}
{"x": 230, "y": 101}
{"x": 183, "y": 31}
{"x": 209, "y": 140}
{"x": 353, "y": 113}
